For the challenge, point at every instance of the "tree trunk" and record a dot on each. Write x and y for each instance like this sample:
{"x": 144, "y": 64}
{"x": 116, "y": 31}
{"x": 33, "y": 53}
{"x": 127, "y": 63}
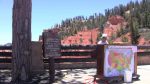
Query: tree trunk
{"x": 21, "y": 44}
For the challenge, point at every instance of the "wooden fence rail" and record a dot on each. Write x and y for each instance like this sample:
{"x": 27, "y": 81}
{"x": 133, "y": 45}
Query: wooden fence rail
{"x": 74, "y": 54}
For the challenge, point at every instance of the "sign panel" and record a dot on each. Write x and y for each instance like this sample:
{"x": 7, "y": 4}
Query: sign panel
{"x": 118, "y": 59}
{"x": 52, "y": 44}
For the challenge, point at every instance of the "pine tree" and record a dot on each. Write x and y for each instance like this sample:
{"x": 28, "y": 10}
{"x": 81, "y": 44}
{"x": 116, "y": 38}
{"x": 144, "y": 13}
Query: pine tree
{"x": 21, "y": 48}
{"x": 134, "y": 26}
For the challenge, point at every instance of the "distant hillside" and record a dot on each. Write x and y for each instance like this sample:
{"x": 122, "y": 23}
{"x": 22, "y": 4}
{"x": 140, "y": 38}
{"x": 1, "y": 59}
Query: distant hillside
{"x": 85, "y": 37}
{"x": 91, "y": 36}
{"x": 117, "y": 22}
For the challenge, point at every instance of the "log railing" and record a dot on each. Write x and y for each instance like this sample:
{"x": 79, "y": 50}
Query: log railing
{"x": 72, "y": 54}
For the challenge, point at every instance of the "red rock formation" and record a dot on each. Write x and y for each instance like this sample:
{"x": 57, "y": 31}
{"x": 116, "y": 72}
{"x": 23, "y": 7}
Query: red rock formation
{"x": 115, "y": 20}
{"x": 112, "y": 26}
{"x": 82, "y": 38}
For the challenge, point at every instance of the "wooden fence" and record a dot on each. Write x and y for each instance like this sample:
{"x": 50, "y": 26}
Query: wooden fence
{"x": 73, "y": 57}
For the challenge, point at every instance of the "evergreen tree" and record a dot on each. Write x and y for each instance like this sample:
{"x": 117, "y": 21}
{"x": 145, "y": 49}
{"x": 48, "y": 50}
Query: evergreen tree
{"x": 134, "y": 26}
{"x": 21, "y": 55}
{"x": 124, "y": 39}
{"x": 139, "y": 10}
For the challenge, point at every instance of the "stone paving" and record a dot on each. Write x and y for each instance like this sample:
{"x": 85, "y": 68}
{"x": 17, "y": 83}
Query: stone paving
{"x": 79, "y": 76}
{"x": 85, "y": 76}
{"x": 144, "y": 72}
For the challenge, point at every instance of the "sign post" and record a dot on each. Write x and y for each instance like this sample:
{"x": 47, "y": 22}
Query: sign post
{"x": 52, "y": 49}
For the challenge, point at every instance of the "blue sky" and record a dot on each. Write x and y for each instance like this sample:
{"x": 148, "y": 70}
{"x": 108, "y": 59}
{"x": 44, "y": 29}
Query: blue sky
{"x": 46, "y": 13}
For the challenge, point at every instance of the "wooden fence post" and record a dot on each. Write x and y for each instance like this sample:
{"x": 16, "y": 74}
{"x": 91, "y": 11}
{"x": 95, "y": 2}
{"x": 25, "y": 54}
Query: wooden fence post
{"x": 51, "y": 70}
